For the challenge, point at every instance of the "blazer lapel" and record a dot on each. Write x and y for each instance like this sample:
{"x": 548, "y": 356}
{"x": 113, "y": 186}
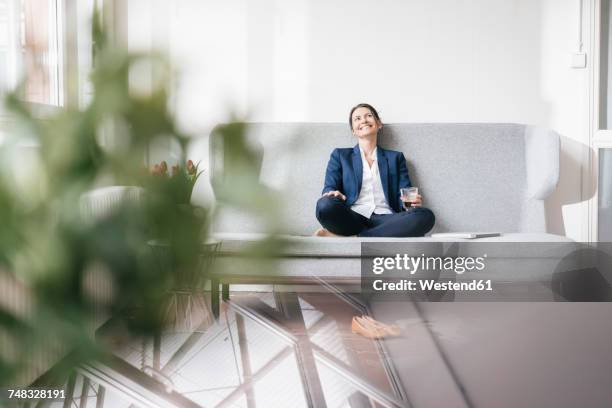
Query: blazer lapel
{"x": 357, "y": 169}
{"x": 383, "y": 168}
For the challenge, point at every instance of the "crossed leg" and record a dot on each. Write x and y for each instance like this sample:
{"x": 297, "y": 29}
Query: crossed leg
{"x": 337, "y": 217}
{"x": 416, "y": 222}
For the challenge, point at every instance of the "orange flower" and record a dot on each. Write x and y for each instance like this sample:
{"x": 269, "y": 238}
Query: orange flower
{"x": 175, "y": 170}
{"x": 191, "y": 169}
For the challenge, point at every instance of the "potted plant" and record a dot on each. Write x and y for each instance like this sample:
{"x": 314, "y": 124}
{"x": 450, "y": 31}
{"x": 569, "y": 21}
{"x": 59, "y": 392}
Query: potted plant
{"x": 68, "y": 273}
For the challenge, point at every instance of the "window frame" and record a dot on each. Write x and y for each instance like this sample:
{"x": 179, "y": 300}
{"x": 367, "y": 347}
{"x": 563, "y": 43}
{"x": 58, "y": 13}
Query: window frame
{"x": 598, "y": 138}
{"x": 63, "y": 50}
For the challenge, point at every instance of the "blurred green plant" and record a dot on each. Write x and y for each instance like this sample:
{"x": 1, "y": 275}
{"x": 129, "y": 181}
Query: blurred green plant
{"x": 54, "y": 257}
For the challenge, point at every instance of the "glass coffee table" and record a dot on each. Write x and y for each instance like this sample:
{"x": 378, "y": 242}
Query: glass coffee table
{"x": 273, "y": 349}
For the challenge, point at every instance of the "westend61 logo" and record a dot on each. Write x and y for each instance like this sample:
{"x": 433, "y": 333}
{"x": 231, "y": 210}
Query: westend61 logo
{"x": 413, "y": 264}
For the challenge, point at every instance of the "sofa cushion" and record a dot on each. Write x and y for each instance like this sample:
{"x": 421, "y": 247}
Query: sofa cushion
{"x": 309, "y": 246}
{"x": 319, "y": 247}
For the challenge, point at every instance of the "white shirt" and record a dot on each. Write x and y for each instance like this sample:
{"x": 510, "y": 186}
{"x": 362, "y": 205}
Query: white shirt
{"x": 372, "y": 196}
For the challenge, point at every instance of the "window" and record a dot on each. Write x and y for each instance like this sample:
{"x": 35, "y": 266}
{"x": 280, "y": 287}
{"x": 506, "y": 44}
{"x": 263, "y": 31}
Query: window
{"x": 31, "y": 49}
{"x": 605, "y": 196}
{"x": 46, "y": 46}
{"x": 600, "y": 215}
{"x": 41, "y": 51}
{"x": 603, "y": 71}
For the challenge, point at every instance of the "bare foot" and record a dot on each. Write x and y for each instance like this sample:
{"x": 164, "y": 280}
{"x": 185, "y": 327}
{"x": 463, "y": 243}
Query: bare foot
{"x": 373, "y": 329}
{"x": 322, "y": 232}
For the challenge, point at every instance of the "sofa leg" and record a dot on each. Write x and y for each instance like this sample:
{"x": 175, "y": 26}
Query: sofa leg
{"x": 214, "y": 297}
{"x": 225, "y": 291}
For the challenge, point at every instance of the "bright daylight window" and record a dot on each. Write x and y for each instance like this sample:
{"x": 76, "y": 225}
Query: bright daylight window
{"x": 31, "y": 49}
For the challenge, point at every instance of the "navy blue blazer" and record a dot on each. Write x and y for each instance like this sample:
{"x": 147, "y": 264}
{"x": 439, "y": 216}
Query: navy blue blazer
{"x": 345, "y": 173}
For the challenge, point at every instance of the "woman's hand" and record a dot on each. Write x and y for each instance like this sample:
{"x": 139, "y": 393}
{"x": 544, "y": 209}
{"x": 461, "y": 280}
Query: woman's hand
{"x": 418, "y": 202}
{"x": 335, "y": 193}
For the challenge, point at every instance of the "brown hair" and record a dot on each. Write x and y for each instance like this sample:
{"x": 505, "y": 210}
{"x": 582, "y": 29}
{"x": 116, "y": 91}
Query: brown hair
{"x": 363, "y": 105}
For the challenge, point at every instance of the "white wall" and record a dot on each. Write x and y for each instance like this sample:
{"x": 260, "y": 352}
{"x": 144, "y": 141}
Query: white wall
{"x": 416, "y": 61}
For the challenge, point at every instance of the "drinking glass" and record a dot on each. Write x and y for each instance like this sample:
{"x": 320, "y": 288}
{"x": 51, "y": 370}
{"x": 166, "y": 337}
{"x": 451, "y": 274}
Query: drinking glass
{"x": 409, "y": 195}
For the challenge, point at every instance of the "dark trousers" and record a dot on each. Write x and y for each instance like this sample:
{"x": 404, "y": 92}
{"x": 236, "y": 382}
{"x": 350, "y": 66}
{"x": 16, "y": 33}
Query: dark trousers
{"x": 337, "y": 217}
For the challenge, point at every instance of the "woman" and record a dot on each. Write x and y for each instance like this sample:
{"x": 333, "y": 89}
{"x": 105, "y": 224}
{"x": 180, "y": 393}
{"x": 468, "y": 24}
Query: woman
{"x": 361, "y": 195}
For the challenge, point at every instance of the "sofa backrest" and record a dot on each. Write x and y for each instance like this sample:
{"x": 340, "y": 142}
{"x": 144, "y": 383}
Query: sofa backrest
{"x": 475, "y": 177}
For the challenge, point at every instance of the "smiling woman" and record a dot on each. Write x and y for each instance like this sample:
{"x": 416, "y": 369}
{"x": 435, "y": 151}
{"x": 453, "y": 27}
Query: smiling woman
{"x": 362, "y": 192}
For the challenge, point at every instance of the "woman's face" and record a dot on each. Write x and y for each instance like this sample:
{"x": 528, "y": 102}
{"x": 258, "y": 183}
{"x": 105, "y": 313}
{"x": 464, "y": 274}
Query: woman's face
{"x": 364, "y": 123}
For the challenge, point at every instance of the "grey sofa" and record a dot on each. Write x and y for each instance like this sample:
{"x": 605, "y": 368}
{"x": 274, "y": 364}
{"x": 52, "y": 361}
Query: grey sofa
{"x": 475, "y": 177}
